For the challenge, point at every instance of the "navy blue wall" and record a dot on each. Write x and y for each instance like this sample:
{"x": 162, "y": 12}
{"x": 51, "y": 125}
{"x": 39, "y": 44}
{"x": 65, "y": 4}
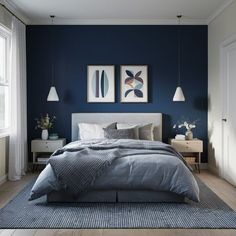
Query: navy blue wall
{"x": 75, "y": 47}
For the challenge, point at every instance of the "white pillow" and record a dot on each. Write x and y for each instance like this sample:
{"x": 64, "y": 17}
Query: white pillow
{"x": 91, "y": 131}
{"x": 144, "y": 131}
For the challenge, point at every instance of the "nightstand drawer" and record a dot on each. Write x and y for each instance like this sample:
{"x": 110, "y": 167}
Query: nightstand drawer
{"x": 46, "y": 146}
{"x": 188, "y": 146}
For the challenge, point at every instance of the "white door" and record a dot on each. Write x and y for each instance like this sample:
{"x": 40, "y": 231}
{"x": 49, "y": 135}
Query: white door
{"x": 229, "y": 112}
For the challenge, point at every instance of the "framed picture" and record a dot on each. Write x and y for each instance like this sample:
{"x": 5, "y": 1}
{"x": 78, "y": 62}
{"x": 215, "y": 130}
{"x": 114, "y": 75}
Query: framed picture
{"x": 134, "y": 83}
{"x": 101, "y": 83}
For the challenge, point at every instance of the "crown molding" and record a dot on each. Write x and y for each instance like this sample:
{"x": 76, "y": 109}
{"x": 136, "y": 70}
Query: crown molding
{"x": 60, "y": 21}
{"x": 219, "y": 11}
{"x": 75, "y": 21}
{"x": 13, "y": 7}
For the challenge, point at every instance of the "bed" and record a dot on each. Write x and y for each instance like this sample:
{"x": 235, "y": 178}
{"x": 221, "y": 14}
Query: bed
{"x": 137, "y": 171}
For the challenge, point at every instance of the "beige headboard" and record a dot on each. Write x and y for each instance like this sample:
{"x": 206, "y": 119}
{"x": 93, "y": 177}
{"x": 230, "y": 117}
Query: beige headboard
{"x": 129, "y": 118}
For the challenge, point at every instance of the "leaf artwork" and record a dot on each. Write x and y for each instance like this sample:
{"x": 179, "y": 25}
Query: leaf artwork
{"x": 135, "y": 82}
{"x": 138, "y": 86}
{"x": 138, "y": 74}
{"x": 139, "y": 79}
{"x": 100, "y": 84}
{"x": 138, "y": 93}
{"x": 127, "y": 92}
{"x": 129, "y": 81}
{"x": 129, "y": 73}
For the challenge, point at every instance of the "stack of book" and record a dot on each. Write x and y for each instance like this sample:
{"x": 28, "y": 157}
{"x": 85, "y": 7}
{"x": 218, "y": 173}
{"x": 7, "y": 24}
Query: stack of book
{"x": 180, "y": 137}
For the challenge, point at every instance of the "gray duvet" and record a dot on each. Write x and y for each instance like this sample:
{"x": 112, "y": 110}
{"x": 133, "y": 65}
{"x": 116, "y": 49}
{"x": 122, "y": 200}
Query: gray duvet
{"x": 116, "y": 165}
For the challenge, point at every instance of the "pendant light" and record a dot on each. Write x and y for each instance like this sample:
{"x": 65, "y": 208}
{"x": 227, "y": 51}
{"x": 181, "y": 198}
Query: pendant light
{"x": 179, "y": 95}
{"x": 52, "y": 95}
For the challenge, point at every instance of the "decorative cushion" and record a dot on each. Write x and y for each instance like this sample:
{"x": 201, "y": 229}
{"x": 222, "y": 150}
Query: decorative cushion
{"x": 143, "y": 131}
{"x": 111, "y": 133}
{"x": 129, "y": 126}
{"x": 146, "y": 132}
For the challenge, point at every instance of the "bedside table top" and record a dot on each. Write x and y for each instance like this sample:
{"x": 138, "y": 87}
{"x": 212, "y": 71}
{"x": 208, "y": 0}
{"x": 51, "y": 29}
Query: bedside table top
{"x": 192, "y": 140}
{"x": 48, "y": 140}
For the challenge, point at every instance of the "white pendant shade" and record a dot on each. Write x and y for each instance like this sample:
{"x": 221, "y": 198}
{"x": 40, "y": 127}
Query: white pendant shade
{"x": 179, "y": 95}
{"x": 52, "y": 96}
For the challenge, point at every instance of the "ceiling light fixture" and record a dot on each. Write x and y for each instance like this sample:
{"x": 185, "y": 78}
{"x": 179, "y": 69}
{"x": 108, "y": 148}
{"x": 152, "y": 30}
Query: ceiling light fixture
{"x": 179, "y": 95}
{"x": 52, "y": 95}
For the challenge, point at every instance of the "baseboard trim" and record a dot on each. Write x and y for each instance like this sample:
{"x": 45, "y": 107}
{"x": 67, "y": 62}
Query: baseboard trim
{"x": 3, "y": 179}
{"x": 214, "y": 170}
{"x": 204, "y": 166}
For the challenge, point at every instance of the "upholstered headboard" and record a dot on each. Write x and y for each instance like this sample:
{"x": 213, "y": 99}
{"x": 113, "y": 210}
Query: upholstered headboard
{"x": 129, "y": 118}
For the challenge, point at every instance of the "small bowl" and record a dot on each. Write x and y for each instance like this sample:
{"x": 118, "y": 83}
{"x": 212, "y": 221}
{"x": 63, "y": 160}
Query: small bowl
{"x": 54, "y": 137}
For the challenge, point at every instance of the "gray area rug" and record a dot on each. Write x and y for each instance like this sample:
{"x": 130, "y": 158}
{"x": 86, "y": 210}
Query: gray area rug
{"x": 211, "y": 212}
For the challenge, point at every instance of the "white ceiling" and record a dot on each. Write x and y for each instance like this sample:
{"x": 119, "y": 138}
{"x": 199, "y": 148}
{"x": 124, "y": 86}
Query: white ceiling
{"x": 118, "y": 11}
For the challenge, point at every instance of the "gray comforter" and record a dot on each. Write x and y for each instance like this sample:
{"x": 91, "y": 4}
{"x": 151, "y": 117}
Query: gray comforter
{"x": 116, "y": 164}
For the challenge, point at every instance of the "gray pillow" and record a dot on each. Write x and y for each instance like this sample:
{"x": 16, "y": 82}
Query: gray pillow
{"x": 111, "y": 126}
{"x": 111, "y": 133}
{"x": 146, "y": 132}
{"x": 128, "y": 126}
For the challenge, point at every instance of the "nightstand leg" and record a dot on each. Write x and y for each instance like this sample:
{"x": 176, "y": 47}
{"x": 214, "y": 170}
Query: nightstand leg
{"x": 199, "y": 161}
{"x": 34, "y": 160}
{"x": 198, "y": 168}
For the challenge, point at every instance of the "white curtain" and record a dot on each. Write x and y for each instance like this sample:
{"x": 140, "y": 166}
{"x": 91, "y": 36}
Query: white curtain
{"x": 18, "y": 124}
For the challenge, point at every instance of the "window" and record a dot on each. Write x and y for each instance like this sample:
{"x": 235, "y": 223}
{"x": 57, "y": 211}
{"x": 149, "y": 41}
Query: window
{"x": 4, "y": 79}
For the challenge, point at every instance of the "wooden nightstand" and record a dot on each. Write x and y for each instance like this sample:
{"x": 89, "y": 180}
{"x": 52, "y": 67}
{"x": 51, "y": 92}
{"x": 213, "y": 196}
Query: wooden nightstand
{"x": 190, "y": 149}
{"x": 42, "y": 149}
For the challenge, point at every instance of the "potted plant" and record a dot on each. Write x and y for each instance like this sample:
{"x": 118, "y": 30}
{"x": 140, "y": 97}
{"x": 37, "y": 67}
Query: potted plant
{"x": 189, "y": 126}
{"x": 45, "y": 123}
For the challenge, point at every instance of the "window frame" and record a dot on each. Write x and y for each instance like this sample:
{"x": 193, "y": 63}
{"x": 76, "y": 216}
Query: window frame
{"x": 6, "y": 33}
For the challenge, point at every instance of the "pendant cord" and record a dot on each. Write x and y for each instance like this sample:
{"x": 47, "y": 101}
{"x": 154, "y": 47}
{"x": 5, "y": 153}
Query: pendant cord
{"x": 52, "y": 52}
{"x": 179, "y": 51}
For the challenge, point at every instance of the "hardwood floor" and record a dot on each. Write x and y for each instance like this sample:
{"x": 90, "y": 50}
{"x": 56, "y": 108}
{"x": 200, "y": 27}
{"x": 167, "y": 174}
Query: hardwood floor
{"x": 223, "y": 189}
{"x": 10, "y": 189}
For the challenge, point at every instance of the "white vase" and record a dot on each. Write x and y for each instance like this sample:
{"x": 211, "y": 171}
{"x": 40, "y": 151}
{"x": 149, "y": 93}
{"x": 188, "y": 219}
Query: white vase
{"x": 189, "y": 135}
{"x": 44, "y": 134}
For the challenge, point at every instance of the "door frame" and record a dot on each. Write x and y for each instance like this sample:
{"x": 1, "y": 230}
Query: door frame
{"x": 223, "y": 59}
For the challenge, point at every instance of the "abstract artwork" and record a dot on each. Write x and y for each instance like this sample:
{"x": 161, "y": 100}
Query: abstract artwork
{"x": 134, "y": 83}
{"x": 101, "y": 83}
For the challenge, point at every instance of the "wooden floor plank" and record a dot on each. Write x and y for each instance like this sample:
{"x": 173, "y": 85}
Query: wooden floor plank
{"x": 222, "y": 188}
{"x": 119, "y": 232}
{"x": 10, "y": 189}
{"x": 125, "y": 232}
{"x": 92, "y": 232}
{"x": 7, "y": 232}
{"x": 23, "y": 232}
{"x": 46, "y": 232}
{"x": 191, "y": 232}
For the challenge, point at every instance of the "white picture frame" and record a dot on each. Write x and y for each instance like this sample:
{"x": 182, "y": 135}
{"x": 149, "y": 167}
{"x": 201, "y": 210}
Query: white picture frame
{"x": 133, "y": 83}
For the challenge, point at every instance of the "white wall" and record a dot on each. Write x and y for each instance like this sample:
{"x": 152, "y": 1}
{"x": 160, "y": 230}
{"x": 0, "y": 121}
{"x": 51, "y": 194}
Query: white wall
{"x": 219, "y": 30}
